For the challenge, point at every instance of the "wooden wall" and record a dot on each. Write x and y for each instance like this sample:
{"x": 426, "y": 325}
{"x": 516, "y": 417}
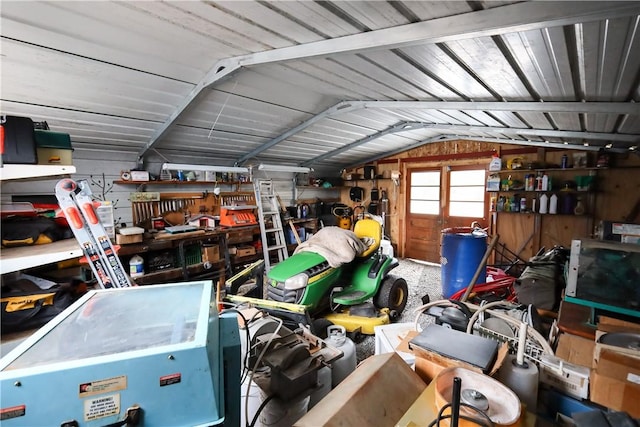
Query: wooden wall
{"x": 617, "y": 192}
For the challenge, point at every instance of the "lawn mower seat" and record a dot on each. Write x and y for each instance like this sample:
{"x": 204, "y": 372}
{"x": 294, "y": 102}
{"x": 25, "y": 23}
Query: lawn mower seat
{"x": 370, "y": 232}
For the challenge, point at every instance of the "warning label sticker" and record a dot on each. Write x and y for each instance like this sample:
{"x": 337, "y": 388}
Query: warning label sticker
{"x": 102, "y": 386}
{"x": 170, "y": 379}
{"x": 100, "y": 407}
{"x": 12, "y": 412}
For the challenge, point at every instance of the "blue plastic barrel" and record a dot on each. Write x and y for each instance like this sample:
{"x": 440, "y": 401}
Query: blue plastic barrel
{"x": 461, "y": 253}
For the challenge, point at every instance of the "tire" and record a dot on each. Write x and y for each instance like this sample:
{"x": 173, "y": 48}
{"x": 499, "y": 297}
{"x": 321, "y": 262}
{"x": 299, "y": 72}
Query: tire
{"x": 319, "y": 327}
{"x": 393, "y": 294}
{"x": 355, "y": 336}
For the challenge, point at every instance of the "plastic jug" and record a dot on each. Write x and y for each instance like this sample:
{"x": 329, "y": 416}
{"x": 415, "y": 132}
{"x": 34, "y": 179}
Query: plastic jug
{"x": 495, "y": 164}
{"x": 553, "y": 204}
{"x": 544, "y": 201}
{"x": 136, "y": 266}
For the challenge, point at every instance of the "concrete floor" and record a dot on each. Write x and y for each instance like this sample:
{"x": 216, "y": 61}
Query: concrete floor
{"x": 422, "y": 279}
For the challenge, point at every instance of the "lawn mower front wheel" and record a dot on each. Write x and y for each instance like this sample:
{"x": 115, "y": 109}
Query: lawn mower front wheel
{"x": 393, "y": 294}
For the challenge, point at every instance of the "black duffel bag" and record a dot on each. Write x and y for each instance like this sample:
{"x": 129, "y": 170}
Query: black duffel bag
{"x": 31, "y": 230}
{"x": 24, "y": 308}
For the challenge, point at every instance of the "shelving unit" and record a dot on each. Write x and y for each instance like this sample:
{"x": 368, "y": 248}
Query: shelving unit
{"x": 120, "y": 182}
{"x": 560, "y": 192}
{"x": 237, "y": 185}
{"x": 529, "y": 231}
{"x": 24, "y": 257}
{"x": 8, "y": 172}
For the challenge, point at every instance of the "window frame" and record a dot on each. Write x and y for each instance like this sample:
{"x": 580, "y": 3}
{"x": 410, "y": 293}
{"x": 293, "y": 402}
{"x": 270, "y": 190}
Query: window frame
{"x": 411, "y": 186}
{"x": 482, "y": 185}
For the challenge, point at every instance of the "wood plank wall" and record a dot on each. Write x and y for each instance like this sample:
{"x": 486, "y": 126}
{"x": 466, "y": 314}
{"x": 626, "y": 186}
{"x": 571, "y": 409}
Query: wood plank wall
{"x": 618, "y": 190}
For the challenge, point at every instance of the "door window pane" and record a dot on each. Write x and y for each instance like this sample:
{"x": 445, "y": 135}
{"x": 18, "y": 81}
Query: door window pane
{"x": 467, "y": 193}
{"x": 431, "y": 178}
{"x": 424, "y": 207}
{"x": 425, "y": 193}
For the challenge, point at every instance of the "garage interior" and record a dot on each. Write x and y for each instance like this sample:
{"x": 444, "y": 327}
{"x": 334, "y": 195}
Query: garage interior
{"x": 256, "y": 181}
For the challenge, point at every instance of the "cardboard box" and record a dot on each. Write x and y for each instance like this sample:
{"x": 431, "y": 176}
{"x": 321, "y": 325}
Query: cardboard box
{"x": 575, "y": 349}
{"x": 615, "y": 382}
{"x": 139, "y": 176}
{"x": 210, "y": 253}
{"x": 244, "y": 235}
{"x": 129, "y": 235}
{"x": 378, "y": 393}
{"x": 122, "y": 239}
{"x": 245, "y": 251}
{"x": 608, "y": 325}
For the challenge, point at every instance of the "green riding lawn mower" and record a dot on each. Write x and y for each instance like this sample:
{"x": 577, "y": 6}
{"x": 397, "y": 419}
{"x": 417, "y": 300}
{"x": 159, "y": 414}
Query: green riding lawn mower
{"x": 336, "y": 277}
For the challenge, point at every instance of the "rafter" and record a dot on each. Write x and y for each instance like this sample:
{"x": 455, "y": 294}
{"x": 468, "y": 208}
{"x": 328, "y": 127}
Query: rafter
{"x": 413, "y": 126}
{"x": 516, "y": 17}
{"x": 624, "y": 108}
{"x": 443, "y": 138}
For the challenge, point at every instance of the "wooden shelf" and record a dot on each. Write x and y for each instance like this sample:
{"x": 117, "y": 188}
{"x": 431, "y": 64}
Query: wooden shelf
{"x": 313, "y": 187}
{"x": 120, "y": 182}
{"x": 507, "y": 171}
{"x": 547, "y": 215}
{"x": 8, "y": 172}
{"x": 23, "y": 257}
{"x": 559, "y": 191}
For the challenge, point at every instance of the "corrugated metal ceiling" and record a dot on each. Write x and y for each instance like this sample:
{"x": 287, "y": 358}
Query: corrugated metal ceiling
{"x": 248, "y": 81}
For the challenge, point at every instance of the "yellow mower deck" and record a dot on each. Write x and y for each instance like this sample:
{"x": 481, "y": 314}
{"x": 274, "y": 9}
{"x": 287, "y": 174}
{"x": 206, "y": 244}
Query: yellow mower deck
{"x": 350, "y": 322}
{"x": 365, "y": 324}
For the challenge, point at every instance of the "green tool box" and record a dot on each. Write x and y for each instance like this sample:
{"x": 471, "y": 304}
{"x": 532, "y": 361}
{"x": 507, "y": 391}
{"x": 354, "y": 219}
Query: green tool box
{"x": 54, "y": 148}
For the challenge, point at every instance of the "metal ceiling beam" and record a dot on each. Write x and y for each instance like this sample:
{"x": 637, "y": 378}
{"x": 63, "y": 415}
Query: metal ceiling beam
{"x": 399, "y": 150}
{"x": 549, "y": 133}
{"x": 221, "y": 71}
{"x": 516, "y": 17}
{"x": 411, "y": 126}
{"x": 400, "y": 127}
{"x": 341, "y": 107}
{"x": 525, "y": 16}
{"x": 541, "y": 107}
{"x": 443, "y": 138}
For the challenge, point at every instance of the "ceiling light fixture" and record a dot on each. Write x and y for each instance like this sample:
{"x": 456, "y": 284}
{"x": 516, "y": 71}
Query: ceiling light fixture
{"x": 609, "y": 145}
{"x": 211, "y": 168}
{"x": 283, "y": 168}
{"x": 633, "y": 148}
{"x": 586, "y": 144}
